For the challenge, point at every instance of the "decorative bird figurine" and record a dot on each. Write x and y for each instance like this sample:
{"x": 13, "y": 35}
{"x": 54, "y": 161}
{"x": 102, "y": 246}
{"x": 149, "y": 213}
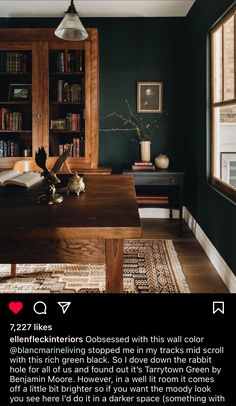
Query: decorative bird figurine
{"x": 50, "y": 175}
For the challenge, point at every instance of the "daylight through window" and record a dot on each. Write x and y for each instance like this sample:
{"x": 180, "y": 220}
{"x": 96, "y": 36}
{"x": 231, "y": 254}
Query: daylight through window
{"x": 223, "y": 105}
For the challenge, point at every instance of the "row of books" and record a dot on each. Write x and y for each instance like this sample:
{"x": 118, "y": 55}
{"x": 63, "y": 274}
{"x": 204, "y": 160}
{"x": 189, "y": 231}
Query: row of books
{"x": 71, "y": 122}
{"x": 77, "y": 147}
{"x": 10, "y": 120}
{"x": 9, "y": 148}
{"x": 70, "y": 61}
{"x": 143, "y": 166}
{"x": 69, "y": 93}
{"x": 13, "y": 62}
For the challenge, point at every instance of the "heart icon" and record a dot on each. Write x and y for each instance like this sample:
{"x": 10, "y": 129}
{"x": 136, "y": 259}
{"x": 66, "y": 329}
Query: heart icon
{"x": 15, "y": 307}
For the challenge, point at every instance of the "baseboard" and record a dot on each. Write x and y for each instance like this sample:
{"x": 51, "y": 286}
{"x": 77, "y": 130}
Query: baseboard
{"x": 152, "y": 212}
{"x": 218, "y": 262}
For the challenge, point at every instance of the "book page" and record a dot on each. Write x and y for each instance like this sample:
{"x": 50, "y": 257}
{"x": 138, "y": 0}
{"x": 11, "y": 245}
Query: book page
{"x": 5, "y": 175}
{"x": 26, "y": 179}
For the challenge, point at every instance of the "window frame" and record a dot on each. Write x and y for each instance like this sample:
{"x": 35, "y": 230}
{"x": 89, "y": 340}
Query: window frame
{"x": 224, "y": 187}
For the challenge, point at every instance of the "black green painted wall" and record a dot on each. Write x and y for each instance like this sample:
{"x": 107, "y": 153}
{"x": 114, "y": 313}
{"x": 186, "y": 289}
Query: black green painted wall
{"x": 134, "y": 50}
{"x": 214, "y": 213}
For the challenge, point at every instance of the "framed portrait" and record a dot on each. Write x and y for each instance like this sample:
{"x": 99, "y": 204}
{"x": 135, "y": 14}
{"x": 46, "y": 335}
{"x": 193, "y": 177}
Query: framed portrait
{"x": 19, "y": 92}
{"x": 59, "y": 124}
{"x": 149, "y": 97}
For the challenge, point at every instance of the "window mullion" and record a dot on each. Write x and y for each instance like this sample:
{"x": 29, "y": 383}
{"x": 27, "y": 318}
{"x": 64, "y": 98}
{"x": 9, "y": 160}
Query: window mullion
{"x": 213, "y": 68}
{"x": 224, "y": 103}
{"x": 223, "y": 63}
{"x": 235, "y": 54}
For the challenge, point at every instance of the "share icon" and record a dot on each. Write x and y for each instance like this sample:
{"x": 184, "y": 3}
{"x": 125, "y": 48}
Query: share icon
{"x": 64, "y": 306}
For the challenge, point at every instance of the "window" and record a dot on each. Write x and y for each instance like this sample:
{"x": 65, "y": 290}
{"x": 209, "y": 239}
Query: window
{"x": 223, "y": 105}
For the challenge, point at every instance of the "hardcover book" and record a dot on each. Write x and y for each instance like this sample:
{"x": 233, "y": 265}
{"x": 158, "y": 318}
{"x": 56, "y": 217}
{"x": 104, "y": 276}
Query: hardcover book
{"x": 17, "y": 178}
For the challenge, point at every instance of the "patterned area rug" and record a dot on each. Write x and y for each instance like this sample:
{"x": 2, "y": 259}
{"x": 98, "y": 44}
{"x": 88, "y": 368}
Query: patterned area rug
{"x": 150, "y": 266}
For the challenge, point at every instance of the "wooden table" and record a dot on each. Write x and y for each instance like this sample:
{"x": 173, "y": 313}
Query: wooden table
{"x": 82, "y": 229}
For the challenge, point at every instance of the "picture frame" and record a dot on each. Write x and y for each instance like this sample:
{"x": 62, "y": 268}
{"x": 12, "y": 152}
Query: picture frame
{"x": 20, "y": 92}
{"x": 149, "y": 97}
{"x": 58, "y": 124}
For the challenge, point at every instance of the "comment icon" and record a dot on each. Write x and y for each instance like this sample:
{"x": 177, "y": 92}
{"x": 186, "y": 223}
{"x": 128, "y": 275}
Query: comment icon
{"x": 40, "y": 307}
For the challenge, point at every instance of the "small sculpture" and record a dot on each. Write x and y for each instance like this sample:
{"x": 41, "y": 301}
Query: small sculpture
{"x": 50, "y": 175}
{"x": 76, "y": 184}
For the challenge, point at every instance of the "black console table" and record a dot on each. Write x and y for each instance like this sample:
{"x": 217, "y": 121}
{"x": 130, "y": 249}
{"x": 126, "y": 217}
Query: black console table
{"x": 163, "y": 188}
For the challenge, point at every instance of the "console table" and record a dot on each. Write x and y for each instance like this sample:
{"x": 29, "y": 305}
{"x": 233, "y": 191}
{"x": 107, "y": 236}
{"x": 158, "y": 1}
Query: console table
{"x": 161, "y": 183}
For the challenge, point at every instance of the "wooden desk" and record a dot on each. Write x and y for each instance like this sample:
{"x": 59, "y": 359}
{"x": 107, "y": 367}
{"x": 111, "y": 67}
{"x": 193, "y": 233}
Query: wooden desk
{"x": 164, "y": 180}
{"x": 82, "y": 229}
{"x": 100, "y": 170}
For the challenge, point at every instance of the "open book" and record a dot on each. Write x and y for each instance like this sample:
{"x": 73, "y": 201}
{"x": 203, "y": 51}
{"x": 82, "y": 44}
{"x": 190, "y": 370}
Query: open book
{"x": 25, "y": 179}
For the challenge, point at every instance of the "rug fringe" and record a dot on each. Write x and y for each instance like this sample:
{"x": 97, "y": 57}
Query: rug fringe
{"x": 178, "y": 268}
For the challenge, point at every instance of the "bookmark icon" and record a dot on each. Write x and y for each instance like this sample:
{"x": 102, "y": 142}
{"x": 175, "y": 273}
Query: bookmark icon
{"x": 64, "y": 306}
{"x": 218, "y": 307}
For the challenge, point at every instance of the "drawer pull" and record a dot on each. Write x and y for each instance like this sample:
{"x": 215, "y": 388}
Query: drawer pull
{"x": 172, "y": 180}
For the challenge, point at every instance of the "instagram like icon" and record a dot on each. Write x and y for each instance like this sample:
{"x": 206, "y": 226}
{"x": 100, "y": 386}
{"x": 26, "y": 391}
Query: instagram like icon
{"x": 15, "y": 307}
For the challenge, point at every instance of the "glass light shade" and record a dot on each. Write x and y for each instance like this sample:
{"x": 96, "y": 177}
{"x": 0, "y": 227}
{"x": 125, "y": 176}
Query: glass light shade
{"x": 71, "y": 28}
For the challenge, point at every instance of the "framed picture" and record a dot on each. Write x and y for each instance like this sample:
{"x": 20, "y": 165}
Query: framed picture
{"x": 149, "y": 97}
{"x": 59, "y": 124}
{"x": 19, "y": 92}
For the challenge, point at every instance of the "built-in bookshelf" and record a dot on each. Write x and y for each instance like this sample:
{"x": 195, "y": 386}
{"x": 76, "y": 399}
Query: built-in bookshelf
{"x": 49, "y": 96}
{"x": 15, "y": 103}
{"x": 67, "y": 101}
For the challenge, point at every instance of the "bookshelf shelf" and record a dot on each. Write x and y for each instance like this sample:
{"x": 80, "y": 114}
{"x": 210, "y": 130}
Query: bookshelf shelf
{"x": 16, "y": 131}
{"x": 66, "y": 131}
{"x": 15, "y": 73}
{"x": 62, "y": 82}
{"x": 15, "y": 102}
{"x": 66, "y": 73}
{"x": 68, "y": 103}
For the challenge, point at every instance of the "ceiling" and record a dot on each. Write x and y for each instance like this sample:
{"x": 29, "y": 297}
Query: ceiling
{"x": 96, "y": 8}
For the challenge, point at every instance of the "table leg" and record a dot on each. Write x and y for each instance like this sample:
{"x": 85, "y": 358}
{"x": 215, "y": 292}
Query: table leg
{"x": 13, "y": 270}
{"x": 114, "y": 265}
{"x": 181, "y": 209}
{"x": 181, "y": 221}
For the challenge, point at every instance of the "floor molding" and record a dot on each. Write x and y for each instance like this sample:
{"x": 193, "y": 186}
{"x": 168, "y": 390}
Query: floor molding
{"x": 157, "y": 213}
{"x": 218, "y": 262}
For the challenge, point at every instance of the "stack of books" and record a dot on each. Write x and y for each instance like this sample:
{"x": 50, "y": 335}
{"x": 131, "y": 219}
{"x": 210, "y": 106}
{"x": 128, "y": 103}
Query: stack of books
{"x": 143, "y": 166}
{"x": 68, "y": 93}
{"x": 76, "y": 150}
{"x": 10, "y": 120}
{"x": 9, "y": 148}
{"x": 13, "y": 62}
{"x": 73, "y": 121}
{"x": 70, "y": 61}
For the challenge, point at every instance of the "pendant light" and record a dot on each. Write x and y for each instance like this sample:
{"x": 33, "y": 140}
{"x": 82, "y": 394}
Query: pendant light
{"x": 71, "y": 28}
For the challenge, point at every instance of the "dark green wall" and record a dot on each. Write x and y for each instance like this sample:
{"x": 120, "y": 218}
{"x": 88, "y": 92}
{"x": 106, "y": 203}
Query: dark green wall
{"x": 134, "y": 50}
{"x": 214, "y": 213}
{"x": 131, "y": 50}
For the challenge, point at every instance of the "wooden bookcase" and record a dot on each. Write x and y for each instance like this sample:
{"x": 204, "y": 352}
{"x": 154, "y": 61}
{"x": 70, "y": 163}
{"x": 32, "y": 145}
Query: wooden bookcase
{"x": 48, "y": 96}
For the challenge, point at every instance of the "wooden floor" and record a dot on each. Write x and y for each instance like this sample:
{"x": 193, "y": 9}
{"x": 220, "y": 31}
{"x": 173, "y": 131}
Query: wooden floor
{"x": 200, "y": 274}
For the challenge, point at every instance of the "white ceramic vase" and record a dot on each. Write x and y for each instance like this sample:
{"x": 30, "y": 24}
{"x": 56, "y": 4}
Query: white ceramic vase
{"x": 162, "y": 161}
{"x": 145, "y": 148}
